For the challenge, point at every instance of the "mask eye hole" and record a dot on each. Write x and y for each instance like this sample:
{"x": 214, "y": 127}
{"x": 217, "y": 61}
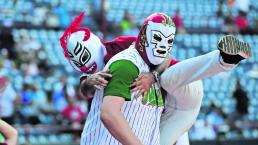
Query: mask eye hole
{"x": 170, "y": 41}
{"x": 85, "y": 57}
{"x": 78, "y": 48}
{"x": 157, "y": 38}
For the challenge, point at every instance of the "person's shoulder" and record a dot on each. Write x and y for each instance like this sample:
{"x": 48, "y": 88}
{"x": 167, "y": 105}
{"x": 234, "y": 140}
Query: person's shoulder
{"x": 123, "y": 65}
{"x": 122, "y": 40}
{"x": 126, "y": 38}
{"x": 123, "y": 74}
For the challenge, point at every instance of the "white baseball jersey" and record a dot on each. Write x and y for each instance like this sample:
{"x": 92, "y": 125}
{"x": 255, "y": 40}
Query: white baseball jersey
{"x": 143, "y": 117}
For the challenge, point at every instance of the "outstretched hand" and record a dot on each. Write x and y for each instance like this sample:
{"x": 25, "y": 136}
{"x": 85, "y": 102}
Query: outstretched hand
{"x": 143, "y": 83}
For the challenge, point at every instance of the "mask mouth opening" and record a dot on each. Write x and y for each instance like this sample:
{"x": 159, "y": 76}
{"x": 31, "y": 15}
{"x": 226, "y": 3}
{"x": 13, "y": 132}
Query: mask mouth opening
{"x": 161, "y": 51}
{"x": 91, "y": 69}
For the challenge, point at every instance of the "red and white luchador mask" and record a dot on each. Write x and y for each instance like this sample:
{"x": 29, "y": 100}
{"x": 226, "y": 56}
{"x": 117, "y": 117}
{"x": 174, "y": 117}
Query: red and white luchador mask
{"x": 87, "y": 54}
{"x": 83, "y": 49}
{"x": 156, "y": 38}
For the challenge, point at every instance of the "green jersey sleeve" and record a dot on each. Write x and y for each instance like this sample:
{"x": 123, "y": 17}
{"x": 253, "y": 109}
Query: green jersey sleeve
{"x": 123, "y": 73}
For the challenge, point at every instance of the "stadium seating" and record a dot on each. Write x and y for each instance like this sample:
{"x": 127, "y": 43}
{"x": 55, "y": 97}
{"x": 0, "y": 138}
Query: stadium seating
{"x": 186, "y": 46}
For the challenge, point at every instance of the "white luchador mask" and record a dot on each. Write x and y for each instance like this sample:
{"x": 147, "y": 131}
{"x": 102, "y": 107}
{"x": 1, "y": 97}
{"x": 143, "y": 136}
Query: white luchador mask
{"x": 83, "y": 49}
{"x": 86, "y": 52}
{"x": 156, "y": 38}
{"x": 160, "y": 39}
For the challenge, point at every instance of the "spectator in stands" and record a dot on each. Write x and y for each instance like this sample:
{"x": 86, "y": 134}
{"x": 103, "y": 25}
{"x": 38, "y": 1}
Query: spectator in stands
{"x": 29, "y": 108}
{"x": 241, "y": 110}
{"x": 26, "y": 94}
{"x": 178, "y": 20}
{"x": 7, "y": 42}
{"x": 127, "y": 23}
{"x": 228, "y": 25}
{"x": 8, "y": 134}
{"x": 8, "y": 98}
{"x": 242, "y": 101}
{"x": 60, "y": 94}
{"x": 133, "y": 31}
{"x": 241, "y": 22}
{"x": 73, "y": 112}
{"x": 5, "y": 61}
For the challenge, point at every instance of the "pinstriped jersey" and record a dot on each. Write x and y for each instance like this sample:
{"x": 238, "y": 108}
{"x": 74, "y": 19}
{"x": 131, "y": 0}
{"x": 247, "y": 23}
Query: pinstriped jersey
{"x": 143, "y": 116}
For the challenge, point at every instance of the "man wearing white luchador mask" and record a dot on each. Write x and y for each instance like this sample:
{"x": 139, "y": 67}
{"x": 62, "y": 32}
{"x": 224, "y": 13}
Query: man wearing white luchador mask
{"x": 183, "y": 101}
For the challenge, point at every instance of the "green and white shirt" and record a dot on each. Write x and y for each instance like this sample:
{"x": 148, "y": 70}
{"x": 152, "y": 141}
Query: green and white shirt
{"x": 143, "y": 115}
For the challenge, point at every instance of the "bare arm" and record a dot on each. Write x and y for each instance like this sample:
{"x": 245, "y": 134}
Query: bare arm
{"x": 9, "y": 133}
{"x": 115, "y": 121}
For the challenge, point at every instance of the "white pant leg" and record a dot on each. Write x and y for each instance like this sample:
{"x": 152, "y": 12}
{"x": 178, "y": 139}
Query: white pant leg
{"x": 192, "y": 69}
{"x": 185, "y": 93}
{"x": 183, "y": 140}
{"x": 176, "y": 121}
